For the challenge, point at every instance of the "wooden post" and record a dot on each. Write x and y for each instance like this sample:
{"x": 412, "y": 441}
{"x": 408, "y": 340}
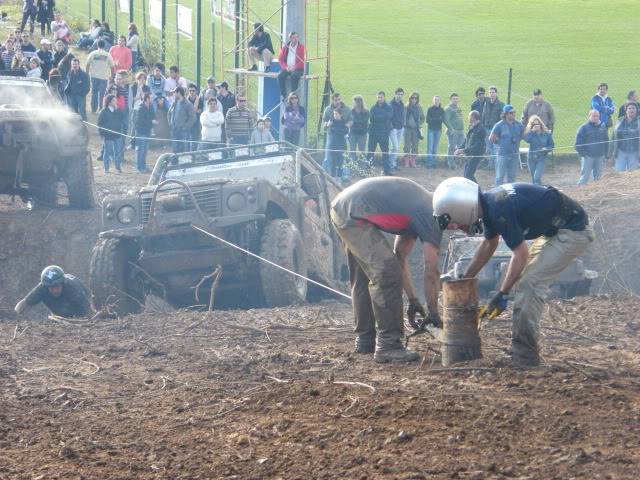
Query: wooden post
{"x": 461, "y": 339}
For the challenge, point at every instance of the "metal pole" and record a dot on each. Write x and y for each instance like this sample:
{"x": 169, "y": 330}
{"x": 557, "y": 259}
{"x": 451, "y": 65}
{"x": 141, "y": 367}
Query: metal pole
{"x": 131, "y": 2}
{"x": 236, "y": 55}
{"x": 163, "y": 30}
{"x": 509, "y": 89}
{"x": 144, "y": 22}
{"x": 294, "y": 14}
{"x": 177, "y": 39}
{"x": 198, "y": 42}
{"x": 90, "y": 4}
{"x": 115, "y": 13}
{"x": 103, "y": 10}
{"x": 213, "y": 41}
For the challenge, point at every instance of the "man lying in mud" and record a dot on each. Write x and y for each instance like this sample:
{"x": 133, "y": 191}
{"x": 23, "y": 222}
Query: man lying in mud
{"x": 63, "y": 294}
{"x": 378, "y": 273}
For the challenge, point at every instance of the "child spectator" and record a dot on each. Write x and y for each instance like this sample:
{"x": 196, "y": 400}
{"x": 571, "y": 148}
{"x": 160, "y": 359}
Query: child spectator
{"x": 262, "y": 133}
{"x": 540, "y": 141}
{"x": 34, "y": 68}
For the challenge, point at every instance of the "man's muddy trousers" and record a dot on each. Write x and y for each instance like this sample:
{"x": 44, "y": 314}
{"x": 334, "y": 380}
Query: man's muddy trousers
{"x": 376, "y": 286}
{"x": 548, "y": 256}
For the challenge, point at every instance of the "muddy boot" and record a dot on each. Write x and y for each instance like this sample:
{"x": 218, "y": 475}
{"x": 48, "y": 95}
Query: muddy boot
{"x": 524, "y": 356}
{"x": 397, "y": 355}
{"x": 413, "y": 161}
{"x": 407, "y": 161}
{"x": 365, "y": 345}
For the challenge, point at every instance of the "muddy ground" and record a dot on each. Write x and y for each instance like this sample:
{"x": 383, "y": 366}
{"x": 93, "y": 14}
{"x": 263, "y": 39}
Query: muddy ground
{"x": 262, "y": 393}
{"x": 278, "y": 394}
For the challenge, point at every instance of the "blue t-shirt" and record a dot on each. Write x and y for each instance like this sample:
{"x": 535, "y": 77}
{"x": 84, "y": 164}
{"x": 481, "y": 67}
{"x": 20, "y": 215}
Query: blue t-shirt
{"x": 524, "y": 211}
{"x": 509, "y": 137}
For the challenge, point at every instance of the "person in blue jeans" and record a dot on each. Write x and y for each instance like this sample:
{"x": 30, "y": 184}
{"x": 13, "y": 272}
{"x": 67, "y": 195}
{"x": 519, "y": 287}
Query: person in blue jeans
{"x": 506, "y": 136}
{"x": 397, "y": 127}
{"x": 626, "y": 136}
{"x": 604, "y": 105}
{"x": 144, "y": 120}
{"x": 435, "y": 117}
{"x": 592, "y": 144}
{"x": 379, "y": 128}
{"x": 540, "y": 141}
{"x": 111, "y": 129}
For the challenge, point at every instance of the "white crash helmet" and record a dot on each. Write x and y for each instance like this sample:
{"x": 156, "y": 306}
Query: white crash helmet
{"x": 457, "y": 200}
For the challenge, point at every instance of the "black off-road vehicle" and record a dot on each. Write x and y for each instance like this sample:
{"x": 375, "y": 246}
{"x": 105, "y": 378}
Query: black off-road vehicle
{"x": 271, "y": 199}
{"x": 42, "y": 144}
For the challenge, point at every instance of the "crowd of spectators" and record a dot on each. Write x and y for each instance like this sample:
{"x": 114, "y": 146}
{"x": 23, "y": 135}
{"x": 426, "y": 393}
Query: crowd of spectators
{"x": 140, "y": 103}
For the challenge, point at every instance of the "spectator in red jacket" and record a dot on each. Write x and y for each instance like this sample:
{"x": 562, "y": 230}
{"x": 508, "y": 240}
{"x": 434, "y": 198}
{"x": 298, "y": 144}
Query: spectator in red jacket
{"x": 121, "y": 54}
{"x": 291, "y": 61}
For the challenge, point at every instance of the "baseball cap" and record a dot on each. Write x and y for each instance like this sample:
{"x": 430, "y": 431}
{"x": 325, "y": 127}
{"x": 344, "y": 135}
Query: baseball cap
{"x": 211, "y": 80}
{"x": 508, "y": 108}
{"x": 223, "y": 85}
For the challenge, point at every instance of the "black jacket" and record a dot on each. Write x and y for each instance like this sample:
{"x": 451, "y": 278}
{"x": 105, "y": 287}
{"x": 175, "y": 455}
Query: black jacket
{"x": 78, "y": 83}
{"x": 144, "y": 120}
{"x": 74, "y": 301}
{"x": 435, "y": 117}
{"x": 112, "y": 122}
{"x": 262, "y": 42}
{"x": 474, "y": 145}
{"x": 397, "y": 121}
{"x": 380, "y": 120}
{"x": 592, "y": 140}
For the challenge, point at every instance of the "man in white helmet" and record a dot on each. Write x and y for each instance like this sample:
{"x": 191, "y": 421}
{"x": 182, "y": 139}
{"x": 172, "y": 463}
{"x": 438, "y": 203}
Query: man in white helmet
{"x": 517, "y": 212}
{"x": 378, "y": 273}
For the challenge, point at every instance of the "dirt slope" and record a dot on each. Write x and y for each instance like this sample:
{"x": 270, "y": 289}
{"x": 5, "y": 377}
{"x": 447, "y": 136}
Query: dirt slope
{"x": 257, "y": 394}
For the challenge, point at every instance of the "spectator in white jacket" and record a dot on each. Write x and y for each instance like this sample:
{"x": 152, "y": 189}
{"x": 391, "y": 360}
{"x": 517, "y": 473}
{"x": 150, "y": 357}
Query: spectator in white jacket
{"x": 211, "y": 121}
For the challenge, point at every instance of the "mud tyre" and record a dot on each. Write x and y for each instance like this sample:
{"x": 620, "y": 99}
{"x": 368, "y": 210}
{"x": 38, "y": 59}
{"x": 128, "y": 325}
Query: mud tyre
{"x": 46, "y": 194}
{"x": 79, "y": 180}
{"x": 282, "y": 244}
{"x": 110, "y": 277}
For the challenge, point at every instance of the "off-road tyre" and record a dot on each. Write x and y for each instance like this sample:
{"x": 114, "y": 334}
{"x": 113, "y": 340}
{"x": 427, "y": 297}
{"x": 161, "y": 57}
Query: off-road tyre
{"x": 45, "y": 194}
{"x": 79, "y": 180}
{"x": 110, "y": 276}
{"x": 282, "y": 244}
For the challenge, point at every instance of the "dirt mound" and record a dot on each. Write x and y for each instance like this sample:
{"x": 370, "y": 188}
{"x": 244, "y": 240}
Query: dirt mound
{"x": 29, "y": 241}
{"x": 614, "y": 209}
{"x": 278, "y": 394}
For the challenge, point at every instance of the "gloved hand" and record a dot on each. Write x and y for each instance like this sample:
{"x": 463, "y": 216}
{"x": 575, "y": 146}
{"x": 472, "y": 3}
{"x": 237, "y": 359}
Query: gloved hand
{"x": 416, "y": 307}
{"x": 20, "y": 306}
{"x": 496, "y": 306}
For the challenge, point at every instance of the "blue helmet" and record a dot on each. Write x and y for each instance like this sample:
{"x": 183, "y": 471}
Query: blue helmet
{"x": 52, "y": 276}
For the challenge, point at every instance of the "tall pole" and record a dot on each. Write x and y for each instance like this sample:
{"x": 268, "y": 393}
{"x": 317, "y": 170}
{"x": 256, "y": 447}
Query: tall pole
{"x": 293, "y": 16}
{"x": 103, "y": 10}
{"x": 236, "y": 55}
{"x": 198, "y": 42}
{"x": 130, "y": 11}
{"x": 163, "y": 30}
{"x": 509, "y": 88}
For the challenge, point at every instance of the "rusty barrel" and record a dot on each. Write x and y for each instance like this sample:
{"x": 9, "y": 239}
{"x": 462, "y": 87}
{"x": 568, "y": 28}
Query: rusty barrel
{"x": 461, "y": 339}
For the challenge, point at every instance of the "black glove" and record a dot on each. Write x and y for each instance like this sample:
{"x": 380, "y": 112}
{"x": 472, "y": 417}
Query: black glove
{"x": 416, "y": 307}
{"x": 496, "y": 306}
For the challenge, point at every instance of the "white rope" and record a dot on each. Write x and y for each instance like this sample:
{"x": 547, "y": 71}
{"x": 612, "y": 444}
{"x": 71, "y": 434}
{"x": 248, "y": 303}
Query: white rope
{"x": 443, "y": 155}
{"x": 233, "y": 245}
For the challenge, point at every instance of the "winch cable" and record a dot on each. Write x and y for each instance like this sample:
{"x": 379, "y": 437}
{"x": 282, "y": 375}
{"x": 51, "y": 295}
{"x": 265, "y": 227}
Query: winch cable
{"x": 233, "y": 245}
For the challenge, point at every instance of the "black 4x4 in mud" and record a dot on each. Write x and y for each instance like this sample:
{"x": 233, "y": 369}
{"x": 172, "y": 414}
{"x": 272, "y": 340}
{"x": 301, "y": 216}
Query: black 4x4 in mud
{"x": 42, "y": 144}
{"x": 272, "y": 200}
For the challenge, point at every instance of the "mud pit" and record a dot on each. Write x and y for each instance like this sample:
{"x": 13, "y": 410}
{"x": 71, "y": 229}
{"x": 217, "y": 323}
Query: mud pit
{"x": 258, "y": 394}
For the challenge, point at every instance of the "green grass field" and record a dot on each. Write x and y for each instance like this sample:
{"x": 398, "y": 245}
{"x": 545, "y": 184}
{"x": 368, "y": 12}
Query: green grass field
{"x": 564, "y": 47}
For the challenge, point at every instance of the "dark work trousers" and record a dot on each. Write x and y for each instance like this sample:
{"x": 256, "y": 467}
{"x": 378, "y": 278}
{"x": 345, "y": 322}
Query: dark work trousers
{"x": 383, "y": 141}
{"x": 295, "y": 80}
{"x": 375, "y": 275}
{"x": 470, "y": 167}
